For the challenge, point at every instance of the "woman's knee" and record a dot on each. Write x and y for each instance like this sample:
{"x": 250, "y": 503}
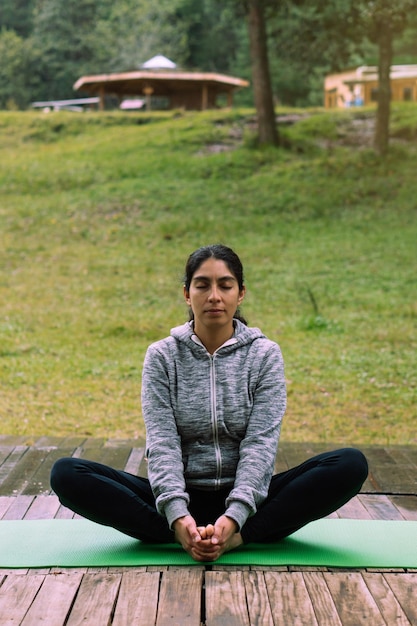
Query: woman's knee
{"x": 355, "y": 463}
{"x": 62, "y": 473}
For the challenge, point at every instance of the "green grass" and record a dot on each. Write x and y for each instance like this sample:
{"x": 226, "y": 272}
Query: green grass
{"x": 98, "y": 213}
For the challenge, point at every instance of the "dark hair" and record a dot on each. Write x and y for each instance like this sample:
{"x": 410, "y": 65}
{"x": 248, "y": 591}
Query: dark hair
{"x": 222, "y": 253}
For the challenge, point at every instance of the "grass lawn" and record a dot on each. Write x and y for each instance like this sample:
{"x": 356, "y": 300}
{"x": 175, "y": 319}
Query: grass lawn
{"x": 98, "y": 213}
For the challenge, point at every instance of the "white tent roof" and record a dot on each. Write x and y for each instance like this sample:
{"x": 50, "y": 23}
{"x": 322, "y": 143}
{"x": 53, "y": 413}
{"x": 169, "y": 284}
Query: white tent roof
{"x": 159, "y": 62}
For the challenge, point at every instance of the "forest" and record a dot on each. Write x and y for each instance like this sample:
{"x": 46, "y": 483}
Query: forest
{"x": 45, "y": 45}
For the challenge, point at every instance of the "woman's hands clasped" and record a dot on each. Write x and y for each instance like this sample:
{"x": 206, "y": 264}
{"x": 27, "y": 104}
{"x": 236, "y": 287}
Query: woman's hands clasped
{"x": 207, "y": 543}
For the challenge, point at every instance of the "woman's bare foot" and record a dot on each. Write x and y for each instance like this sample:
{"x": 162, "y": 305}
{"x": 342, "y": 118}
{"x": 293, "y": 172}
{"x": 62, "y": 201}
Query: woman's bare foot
{"x": 206, "y": 532}
{"x": 234, "y": 542}
{"x": 202, "y": 532}
{"x": 209, "y": 530}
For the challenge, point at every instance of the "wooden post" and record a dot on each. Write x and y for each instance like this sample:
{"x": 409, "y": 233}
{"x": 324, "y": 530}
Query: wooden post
{"x": 230, "y": 98}
{"x": 204, "y": 97}
{"x": 148, "y": 91}
{"x": 101, "y": 101}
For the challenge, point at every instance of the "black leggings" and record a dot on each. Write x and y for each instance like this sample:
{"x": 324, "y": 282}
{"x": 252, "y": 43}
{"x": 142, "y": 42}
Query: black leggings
{"x": 296, "y": 497}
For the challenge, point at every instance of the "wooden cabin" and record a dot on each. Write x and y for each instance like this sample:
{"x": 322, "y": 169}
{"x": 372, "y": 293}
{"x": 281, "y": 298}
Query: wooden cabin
{"x": 158, "y": 80}
{"x": 357, "y": 87}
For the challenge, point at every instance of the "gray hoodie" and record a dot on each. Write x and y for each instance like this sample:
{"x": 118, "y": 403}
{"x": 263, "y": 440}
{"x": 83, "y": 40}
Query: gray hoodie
{"x": 212, "y": 421}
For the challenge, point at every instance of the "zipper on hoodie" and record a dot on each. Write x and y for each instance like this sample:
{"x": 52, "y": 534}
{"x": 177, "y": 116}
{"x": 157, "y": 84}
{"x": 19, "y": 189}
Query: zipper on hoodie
{"x": 214, "y": 421}
{"x": 213, "y": 408}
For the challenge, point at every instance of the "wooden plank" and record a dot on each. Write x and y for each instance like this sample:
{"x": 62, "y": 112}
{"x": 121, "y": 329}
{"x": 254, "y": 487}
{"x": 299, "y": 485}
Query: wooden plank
{"x": 138, "y": 599}
{"x": 53, "y": 602}
{"x": 289, "y": 599}
{"x": 21, "y": 474}
{"x": 296, "y": 453}
{"x": 43, "y": 507}
{"x": 281, "y": 464}
{"x": 95, "y": 600}
{"x": 176, "y": 568}
{"x": 180, "y": 598}
{"x": 387, "y": 603}
{"x": 404, "y": 587}
{"x": 259, "y": 609}
{"x": 19, "y": 507}
{"x": 113, "y": 457}
{"x": 269, "y": 568}
{"x": 378, "y": 455}
{"x": 391, "y": 469}
{"x": 13, "y": 440}
{"x": 93, "y": 443}
{"x": 353, "y": 600}
{"x": 73, "y": 570}
{"x": 157, "y": 568}
{"x": 4, "y": 453}
{"x": 90, "y": 448}
{"x": 407, "y": 505}
{"x": 230, "y": 568}
{"x": 306, "y": 568}
{"x": 370, "y": 485}
{"x": 125, "y": 444}
{"x": 321, "y": 599}
{"x": 398, "y": 453}
{"x": 7, "y": 467}
{"x": 16, "y": 596}
{"x": 395, "y": 479}
{"x": 226, "y": 599}
{"x": 64, "y": 513}
{"x": 410, "y": 453}
{"x": 332, "y": 515}
{"x": 48, "y": 441}
{"x": 40, "y": 480}
{"x": 135, "y": 459}
{"x": 5, "y": 502}
{"x": 143, "y": 467}
{"x": 73, "y": 441}
{"x": 354, "y": 509}
{"x": 380, "y": 507}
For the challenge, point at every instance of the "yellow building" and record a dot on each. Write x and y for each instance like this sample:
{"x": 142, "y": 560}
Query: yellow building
{"x": 359, "y": 86}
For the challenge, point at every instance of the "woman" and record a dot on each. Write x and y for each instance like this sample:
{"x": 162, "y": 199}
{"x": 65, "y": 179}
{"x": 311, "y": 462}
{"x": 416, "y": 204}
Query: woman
{"x": 213, "y": 397}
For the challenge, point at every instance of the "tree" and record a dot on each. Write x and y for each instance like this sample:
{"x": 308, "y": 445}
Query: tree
{"x": 216, "y": 35}
{"x": 383, "y": 21}
{"x": 137, "y": 30}
{"x": 65, "y": 35}
{"x": 262, "y": 90}
{"x": 332, "y": 34}
{"x": 17, "y": 15}
{"x": 15, "y": 74}
{"x": 214, "y": 41}
{"x": 308, "y": 40}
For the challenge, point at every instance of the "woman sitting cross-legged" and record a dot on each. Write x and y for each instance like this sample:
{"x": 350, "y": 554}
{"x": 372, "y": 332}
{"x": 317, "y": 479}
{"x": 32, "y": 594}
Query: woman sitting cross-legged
{"x": 213, "y": 398}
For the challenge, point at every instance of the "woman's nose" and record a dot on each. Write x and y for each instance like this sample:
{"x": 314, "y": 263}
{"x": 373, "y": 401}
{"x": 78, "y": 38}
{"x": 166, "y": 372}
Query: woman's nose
{"x": 214, "y": 294}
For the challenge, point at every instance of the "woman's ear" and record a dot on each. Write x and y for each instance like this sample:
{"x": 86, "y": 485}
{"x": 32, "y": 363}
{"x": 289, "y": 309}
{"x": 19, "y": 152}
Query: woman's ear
{"x": 241, "y": 294}
{"x": 187, "y": 296}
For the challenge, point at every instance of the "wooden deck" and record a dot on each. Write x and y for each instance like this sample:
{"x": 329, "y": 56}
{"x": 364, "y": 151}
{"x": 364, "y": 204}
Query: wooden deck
{"x": 212, "y": 595}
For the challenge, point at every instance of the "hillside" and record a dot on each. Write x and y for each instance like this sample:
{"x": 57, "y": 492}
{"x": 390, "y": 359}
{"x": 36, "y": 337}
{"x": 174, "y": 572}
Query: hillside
{"x": 100, "y": 211}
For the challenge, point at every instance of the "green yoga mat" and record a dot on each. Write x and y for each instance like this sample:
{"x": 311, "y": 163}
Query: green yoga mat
{"x": 327, "y": 542}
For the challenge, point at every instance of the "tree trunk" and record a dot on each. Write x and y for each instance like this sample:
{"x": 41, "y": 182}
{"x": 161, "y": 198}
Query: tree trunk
{"x": 381, "y": 138}
{"x": 264, "y": 104}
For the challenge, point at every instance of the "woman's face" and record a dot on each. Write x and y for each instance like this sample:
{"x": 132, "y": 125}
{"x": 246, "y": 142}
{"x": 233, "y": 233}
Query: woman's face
{"x": 214, "y": 295}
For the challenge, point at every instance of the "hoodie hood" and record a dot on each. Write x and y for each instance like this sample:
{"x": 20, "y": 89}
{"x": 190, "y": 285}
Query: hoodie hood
{"x": 244, "y": 335}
